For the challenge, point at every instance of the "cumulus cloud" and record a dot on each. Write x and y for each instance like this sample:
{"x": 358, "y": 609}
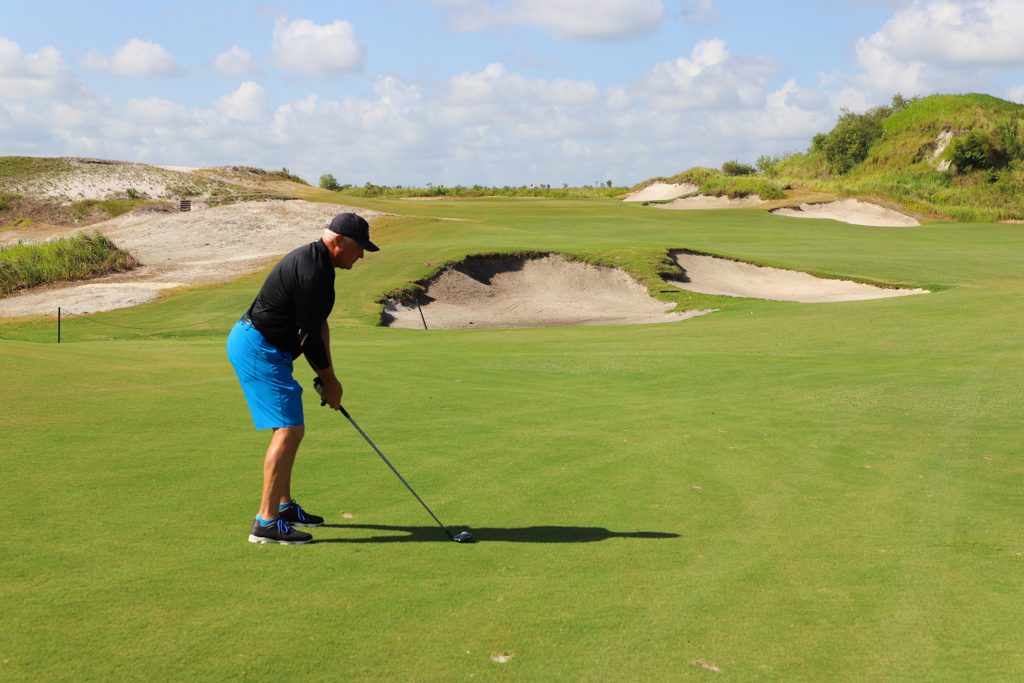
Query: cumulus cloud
{"x": 711, "y": 78}
{"x": 247, "y": 103}
{"x": 971, "y": 32}
{"x": 42, "y": 74}
{"x": 941, "y": 45}
{"x": 1016, "y": 94}
{"x": 136, "y": 58}
{"x": 155, "y": 111}
{"x": 317, "y": 50}
{"x": 235, "y": 62}
{"x": 586, "y": 19}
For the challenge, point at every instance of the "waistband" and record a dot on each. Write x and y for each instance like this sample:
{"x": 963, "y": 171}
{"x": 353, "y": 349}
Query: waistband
{"x": 245, "y": 319}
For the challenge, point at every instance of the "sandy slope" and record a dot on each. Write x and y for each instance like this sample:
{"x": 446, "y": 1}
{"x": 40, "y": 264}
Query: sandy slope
{"x": 851, "y": 211}
{"x": 179, "y": 249}
{"x": 532, "y": 292}
{"x": 701, "y": 202}
{"x": 660, "y": 192}
{"x": 711, "y": 275}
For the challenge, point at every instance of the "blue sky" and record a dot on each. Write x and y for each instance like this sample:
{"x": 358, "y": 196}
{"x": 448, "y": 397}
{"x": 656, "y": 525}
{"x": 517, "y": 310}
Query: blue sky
{"x": 488, "y": 91}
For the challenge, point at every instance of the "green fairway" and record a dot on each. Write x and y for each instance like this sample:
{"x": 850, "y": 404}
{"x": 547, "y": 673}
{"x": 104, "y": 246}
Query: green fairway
{"x": 779, "y": 491}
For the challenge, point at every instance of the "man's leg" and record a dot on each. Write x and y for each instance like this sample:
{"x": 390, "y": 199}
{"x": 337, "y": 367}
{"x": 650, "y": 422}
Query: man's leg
{"x": 277, "y": 469}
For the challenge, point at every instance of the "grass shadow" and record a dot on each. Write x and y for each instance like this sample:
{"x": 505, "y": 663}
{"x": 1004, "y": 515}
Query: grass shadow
{"x": 530, "y": 534}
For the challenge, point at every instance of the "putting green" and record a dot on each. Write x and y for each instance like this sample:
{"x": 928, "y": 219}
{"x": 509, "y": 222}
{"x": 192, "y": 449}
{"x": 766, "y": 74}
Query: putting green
{"x": 778, "y": 491}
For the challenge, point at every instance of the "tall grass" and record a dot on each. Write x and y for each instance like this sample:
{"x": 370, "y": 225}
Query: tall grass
{"x": 476, "y": 191}
{"x": 68, "y": 258}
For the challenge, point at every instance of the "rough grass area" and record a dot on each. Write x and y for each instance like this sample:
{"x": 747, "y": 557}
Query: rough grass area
{"x": 68, "y": 258}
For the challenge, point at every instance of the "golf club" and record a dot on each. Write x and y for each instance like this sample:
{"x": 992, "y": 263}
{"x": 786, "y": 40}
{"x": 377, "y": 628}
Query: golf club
{"x": 462, "y": 536}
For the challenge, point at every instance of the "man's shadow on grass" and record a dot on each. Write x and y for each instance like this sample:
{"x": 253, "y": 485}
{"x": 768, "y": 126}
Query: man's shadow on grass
{"x": 529, "y": 534}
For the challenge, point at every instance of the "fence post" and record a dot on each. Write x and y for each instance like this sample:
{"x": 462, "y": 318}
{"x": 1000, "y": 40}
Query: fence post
{"x": 58, "y": 324}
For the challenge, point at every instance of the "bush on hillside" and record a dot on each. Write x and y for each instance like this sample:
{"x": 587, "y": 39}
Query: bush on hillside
{"x": 848, "y": 143}
{"x": 734, "y": 168}
{"x": 976, "y": 151}
{"x": 1010, "y": 138}
{"x": 328, "y": 182}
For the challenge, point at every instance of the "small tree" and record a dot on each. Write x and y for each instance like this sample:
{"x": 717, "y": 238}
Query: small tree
{"x": 328, "y": 182}
{"x": 734, "y": 167}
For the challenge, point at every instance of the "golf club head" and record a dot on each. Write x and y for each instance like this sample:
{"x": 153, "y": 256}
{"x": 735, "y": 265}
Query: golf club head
{"x": 463, "y": 537}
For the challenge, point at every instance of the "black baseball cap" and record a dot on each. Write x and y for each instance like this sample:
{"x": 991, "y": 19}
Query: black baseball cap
{"x": 355, "y": 227}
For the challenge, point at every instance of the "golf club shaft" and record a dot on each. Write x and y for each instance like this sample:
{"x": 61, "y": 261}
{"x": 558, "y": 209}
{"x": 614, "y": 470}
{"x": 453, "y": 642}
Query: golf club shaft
{"x": 397, "y": 473}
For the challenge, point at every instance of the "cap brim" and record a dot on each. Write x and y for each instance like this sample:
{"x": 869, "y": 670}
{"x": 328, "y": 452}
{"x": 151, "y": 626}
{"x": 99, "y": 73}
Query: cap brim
{"x": 369, "y": 246}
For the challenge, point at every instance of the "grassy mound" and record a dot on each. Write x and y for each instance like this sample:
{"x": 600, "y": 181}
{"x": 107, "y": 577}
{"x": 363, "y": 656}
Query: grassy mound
{"x": 897, "y": 153}
{"x": 714, "y": 183}
{"x": 69, "y": 258}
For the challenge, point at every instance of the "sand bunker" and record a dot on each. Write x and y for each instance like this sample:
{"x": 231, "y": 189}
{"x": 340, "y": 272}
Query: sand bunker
{"x": 703, "y": 202}
{"x": 712, "y": 275}
{"x": 540, "y": 291}
{"x": 179, "y": 249}
{"x": 657, "y": 192}
{"x": 851, "y": 211}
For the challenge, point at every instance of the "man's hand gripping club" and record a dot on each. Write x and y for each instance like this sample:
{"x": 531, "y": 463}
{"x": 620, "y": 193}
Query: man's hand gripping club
{"x": 329, "y": 392}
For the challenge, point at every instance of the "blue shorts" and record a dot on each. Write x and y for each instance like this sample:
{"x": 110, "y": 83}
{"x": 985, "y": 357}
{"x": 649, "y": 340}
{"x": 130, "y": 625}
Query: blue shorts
{"x": 265, "y": 372}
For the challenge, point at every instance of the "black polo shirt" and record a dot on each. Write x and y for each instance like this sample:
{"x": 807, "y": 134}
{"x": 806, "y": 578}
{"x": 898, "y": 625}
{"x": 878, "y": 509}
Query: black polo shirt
{"x": 294, "y": 302}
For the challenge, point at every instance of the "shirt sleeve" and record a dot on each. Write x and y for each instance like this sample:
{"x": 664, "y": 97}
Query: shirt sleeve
{"x": 312, "y": 306}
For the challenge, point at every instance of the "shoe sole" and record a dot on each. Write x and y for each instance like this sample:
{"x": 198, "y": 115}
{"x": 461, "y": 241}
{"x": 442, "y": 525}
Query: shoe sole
{"x": 306, "y": 525}
{"x": 261, "y": 539}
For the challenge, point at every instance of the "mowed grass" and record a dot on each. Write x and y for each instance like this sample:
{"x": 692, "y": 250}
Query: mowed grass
{"x": 777, "y": 491}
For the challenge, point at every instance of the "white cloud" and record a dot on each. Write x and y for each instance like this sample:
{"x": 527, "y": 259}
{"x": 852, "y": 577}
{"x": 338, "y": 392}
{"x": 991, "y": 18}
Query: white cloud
{"x": 136, "y": 58}
{"x": 710, "y": 79}
{"x": 317, "y": 50}
{"x": 156, "y": 111}
{"x": 941, "y": 45}
{"x": 958, "y": 33}
{"x": 247, "y": 103}
{"x": 42, "y": 74}
{"x": 698, "y": 11}
{"x": 236, "y": 62}
{"x": 586, "y": 19}
{"x": 1016, "y": 94}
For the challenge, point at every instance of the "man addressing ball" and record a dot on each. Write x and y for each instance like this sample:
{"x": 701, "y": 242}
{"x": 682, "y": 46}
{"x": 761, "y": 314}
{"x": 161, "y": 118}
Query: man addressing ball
{"x": 287, "y": 319}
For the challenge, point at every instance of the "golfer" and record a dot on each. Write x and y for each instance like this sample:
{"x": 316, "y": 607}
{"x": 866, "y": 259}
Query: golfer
{"x": 287, "y": 319}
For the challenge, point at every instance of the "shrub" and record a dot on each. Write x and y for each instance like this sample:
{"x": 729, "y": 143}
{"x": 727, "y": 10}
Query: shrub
{"x": 1010, "y": 139}
{"x": 734, "y": 168}
{"x": 848, "y": 143}
{"x": 976, "y": 151}
{"x": 328, "y": 182}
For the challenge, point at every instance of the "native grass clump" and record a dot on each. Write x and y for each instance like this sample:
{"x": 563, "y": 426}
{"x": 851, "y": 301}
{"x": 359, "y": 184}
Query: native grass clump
{"x": 78, "y": 257}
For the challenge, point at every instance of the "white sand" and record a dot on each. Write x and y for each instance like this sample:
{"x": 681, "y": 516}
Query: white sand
{"x": 532, "y": 292}
{"x": 704, "y": 202}
{"x": 660, "y": 192}
{"x": 188, "y": 248}
{"x": 851, "y": 211}
{"x": 711, "y": 275}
